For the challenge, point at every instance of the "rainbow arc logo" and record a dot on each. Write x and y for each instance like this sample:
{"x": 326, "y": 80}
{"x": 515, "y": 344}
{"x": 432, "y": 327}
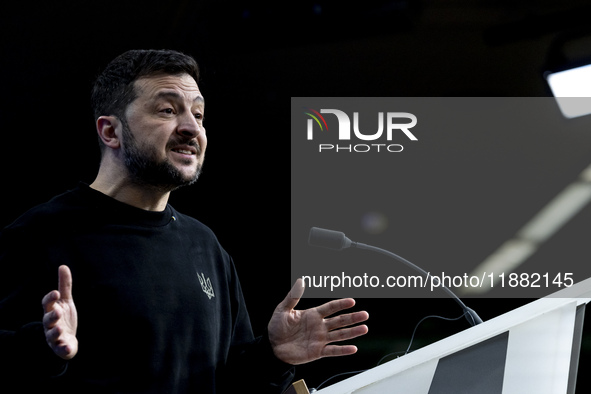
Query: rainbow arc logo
{"x": 315, "y": 116}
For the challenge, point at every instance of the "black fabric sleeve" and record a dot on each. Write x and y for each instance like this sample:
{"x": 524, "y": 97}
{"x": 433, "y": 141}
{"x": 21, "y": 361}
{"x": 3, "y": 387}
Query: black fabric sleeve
{"x": 283, "y": 372}
{"x": 24, "y": 352}
{"x": 257, "y": 368}
{"x": 39, "y": 358}
{"x": 251, "y": 361}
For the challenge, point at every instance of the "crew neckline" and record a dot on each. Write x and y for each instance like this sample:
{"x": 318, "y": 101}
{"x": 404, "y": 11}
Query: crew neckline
{"x": 125, "y": 213}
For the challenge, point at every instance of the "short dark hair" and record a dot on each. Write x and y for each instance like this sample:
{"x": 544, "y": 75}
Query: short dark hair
{"x": 114, "y": 90}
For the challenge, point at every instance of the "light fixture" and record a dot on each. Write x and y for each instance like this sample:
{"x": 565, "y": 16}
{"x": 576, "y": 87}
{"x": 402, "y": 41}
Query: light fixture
{"x": 567, "y": 72}
{"x": 572, "y": 89}
{"x": 547, "y": 222}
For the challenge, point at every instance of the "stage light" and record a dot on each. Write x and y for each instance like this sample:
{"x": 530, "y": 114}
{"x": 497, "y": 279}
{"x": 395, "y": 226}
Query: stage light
{"x": 547, "y": 222}
{"x": 572, "y": 89}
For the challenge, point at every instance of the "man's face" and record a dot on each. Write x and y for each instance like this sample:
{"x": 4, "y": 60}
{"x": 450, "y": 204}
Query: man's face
{"x": 163, "y": 138}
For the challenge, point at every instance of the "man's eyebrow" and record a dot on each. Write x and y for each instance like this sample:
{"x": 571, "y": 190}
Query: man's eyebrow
{"x": 176, "y": 95}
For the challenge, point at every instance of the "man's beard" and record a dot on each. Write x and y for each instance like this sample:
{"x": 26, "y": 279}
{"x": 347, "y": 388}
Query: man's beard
{"x": 146, "y": 170}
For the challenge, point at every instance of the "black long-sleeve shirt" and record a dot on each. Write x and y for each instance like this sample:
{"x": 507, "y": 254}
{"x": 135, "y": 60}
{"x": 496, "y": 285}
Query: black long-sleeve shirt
{"x": 160, "y": 307}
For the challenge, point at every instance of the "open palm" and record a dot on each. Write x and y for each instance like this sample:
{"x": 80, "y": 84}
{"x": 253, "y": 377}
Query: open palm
{"x": 301, "y": 336}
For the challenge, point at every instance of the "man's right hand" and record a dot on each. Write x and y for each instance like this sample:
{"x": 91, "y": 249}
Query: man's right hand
{"x": 60, "y": 320}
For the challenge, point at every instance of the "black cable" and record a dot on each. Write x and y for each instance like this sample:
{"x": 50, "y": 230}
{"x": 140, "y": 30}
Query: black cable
{"x": 312, "y": 390}
{"x": 335, "y": 376}
{"x": 415, "y": 330}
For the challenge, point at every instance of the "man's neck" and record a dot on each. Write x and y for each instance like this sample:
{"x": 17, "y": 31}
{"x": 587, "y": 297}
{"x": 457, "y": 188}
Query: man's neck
{"x": 131, "y": 193}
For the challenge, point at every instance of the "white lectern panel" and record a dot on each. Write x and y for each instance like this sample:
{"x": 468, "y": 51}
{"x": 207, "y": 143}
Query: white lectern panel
{"x": 539, "y": 353}
{"x": 534, "y": 347}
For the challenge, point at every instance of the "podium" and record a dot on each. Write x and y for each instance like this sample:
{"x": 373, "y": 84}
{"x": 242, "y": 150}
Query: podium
{"x": 532, "y": 349}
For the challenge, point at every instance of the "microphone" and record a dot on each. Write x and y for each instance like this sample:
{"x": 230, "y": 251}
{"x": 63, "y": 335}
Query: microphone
{"x": 328, "y": 239}
{"x": 337, "y": 240}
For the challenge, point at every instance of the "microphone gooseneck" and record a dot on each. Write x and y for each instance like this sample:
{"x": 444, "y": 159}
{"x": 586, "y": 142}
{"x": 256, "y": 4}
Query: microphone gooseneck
{"x": 337, "y": 240}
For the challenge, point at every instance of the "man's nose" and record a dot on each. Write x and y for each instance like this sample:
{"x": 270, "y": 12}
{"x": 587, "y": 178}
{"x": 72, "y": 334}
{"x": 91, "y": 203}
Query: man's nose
{"x": 189, "y": 127}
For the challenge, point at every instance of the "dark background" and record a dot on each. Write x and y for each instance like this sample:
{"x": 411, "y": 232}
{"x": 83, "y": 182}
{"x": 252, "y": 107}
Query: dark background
{"x": 255, "y": 56}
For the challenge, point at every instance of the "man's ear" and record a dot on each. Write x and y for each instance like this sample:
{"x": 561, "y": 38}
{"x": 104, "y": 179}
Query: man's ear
{"x": 109, "y": 131}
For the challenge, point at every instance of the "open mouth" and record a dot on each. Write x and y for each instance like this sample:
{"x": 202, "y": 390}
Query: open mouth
{"x": 190, "y": 149}
{"x": 184, "y": 151}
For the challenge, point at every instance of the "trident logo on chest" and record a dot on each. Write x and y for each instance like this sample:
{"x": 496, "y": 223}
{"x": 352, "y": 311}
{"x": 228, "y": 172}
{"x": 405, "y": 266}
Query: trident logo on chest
{"x": 206, "y": 285}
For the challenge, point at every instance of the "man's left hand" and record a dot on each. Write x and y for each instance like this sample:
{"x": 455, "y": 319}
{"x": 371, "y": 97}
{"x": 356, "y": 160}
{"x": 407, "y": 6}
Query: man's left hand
{"x": 301, "y": 336}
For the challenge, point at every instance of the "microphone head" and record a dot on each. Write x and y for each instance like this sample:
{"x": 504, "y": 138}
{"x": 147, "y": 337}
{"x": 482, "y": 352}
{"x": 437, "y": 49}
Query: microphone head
{"x": 330, "y": 239}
